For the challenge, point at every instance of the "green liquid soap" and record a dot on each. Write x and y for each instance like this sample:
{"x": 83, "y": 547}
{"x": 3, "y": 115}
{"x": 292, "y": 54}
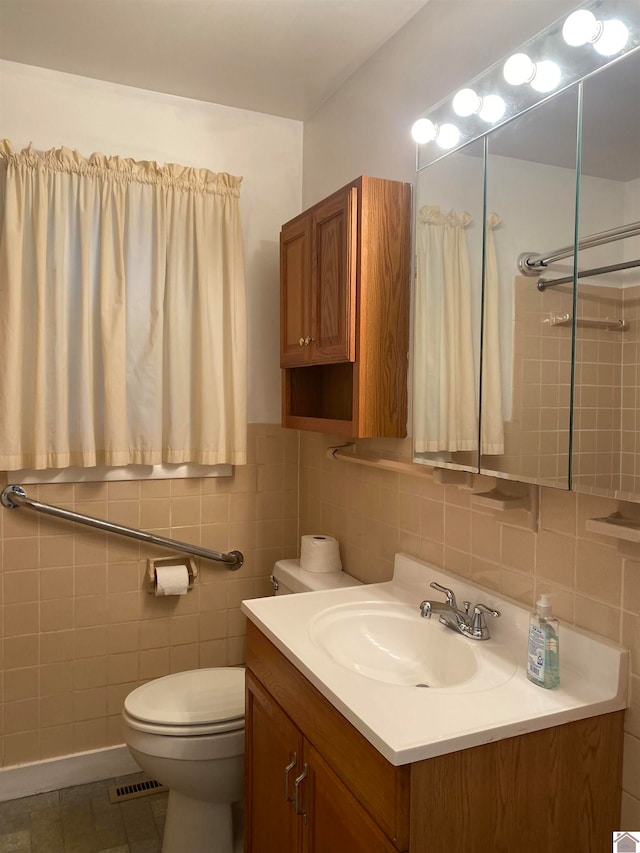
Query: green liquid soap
{"x": 543, "y": 661}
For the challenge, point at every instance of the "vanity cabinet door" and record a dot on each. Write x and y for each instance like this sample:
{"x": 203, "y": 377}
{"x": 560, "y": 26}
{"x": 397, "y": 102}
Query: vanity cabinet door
{"x": 294, "y": 802}
{"x": 335, "y": 820}
{"x": 354, "y": 800}
{"x": 273, "y": 750}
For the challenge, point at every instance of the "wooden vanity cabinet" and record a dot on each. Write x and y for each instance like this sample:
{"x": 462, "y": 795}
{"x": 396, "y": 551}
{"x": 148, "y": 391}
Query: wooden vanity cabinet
{"x": 297, "y": 803}
{"x": 554, "y": 790}
{"x": 354, "y": 800}
{"x": 344, "y": 311}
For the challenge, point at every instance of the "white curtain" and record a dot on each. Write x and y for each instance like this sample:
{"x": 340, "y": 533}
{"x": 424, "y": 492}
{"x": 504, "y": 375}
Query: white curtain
{"x": 122, "y": 313}
{"x": 445, "y": 405}
{"x": 492, "y": 423}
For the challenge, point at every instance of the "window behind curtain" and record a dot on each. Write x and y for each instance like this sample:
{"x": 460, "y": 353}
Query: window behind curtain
{"x": 122, "y": 313}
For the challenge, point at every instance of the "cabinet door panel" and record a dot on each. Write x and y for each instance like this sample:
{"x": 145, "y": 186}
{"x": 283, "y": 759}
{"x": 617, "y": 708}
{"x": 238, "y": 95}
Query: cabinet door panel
{"x": 336, "y": 822}
{"x": 273, "y": 743}
{"x": 295, "y": 284}
{"x": 333, "y": 277}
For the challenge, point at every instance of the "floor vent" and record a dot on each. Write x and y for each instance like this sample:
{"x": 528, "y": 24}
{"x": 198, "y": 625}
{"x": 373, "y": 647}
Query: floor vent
{"x": 120, "y": 793}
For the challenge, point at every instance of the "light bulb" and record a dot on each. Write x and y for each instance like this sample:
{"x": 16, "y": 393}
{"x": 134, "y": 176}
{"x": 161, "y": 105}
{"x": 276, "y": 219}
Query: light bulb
{"x": 613, "y": 38}
{"x": 547, "y": 76}
{"x": 493, "y": 108}
{"x": 424, "y": 130}
{"x": 580, "y": 28}
{"x": 466, "y": 102}
{"x": 448, "y": 137}
{"x": 519, "y": 69}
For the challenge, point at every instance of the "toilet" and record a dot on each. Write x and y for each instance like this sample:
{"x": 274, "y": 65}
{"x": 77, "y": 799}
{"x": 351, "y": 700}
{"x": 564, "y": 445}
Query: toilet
{"x": 186, "y": 730}
{"x": 288, "y": 577}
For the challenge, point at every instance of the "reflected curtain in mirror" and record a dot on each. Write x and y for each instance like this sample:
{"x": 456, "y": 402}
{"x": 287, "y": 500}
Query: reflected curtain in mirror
{"x": 123, "y": 313}
{"x": 447, "y": 410}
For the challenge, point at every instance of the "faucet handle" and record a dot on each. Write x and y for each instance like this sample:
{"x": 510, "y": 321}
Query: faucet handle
{"x": 482, "y": 608}
{"x": 478, "y": 628}
{"x": 451, "y": 598}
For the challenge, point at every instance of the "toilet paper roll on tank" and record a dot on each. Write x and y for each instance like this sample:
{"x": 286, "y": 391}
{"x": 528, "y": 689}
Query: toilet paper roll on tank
{"x": 320, "y": 553}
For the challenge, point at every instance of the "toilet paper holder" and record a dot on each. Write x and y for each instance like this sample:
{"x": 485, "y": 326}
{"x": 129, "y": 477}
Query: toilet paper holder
{"x": 150, "y": 579}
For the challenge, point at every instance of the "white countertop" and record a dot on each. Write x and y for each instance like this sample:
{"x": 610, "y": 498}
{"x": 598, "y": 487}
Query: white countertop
{"x": 406, "y": 723}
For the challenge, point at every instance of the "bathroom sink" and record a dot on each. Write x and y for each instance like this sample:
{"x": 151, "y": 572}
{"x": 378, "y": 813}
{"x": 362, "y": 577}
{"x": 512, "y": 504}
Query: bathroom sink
{"x": 366, "y": 648}
{"x": 391, "y": 642}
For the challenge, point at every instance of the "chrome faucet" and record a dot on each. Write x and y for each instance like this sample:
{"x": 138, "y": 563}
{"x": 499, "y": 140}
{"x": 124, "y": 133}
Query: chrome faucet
{"x": 472, "y": 625}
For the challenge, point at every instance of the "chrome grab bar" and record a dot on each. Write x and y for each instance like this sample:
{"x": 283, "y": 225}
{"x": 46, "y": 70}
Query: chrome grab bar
{"x": 531, "y": 264}
{"x": 544, "y": 283}
{"x": 15, "y": 496}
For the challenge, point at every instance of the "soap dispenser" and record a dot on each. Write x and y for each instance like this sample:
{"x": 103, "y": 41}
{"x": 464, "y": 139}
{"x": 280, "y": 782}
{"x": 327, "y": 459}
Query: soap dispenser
{"x": 543, "y": 664}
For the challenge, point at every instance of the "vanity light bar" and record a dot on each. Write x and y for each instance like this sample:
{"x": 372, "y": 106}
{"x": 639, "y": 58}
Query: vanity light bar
{"x": 572, "y": 48}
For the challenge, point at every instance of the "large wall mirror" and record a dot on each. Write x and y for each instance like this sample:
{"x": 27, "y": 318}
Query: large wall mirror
{"x": 606, "y": 428}
{"x": 535, "y": 377}
{"x": 526, "y": 361}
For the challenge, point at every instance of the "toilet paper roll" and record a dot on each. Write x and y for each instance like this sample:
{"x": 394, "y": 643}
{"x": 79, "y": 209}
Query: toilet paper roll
{"x": 172, "y": 580}
{"x": 320, "y": 553}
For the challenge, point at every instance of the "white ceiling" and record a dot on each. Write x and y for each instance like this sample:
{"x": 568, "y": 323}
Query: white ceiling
{"x": 282, "y": 57}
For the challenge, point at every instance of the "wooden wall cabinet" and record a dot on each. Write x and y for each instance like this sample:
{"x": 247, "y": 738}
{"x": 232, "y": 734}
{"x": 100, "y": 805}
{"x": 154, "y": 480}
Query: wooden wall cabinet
{"x": 344, "y": 315}
{"x": 554, "y": 790}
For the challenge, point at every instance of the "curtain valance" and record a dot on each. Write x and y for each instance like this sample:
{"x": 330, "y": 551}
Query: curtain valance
{"x": 123, "y": 169}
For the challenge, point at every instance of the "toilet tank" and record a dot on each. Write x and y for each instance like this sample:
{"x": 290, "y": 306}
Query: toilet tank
{"x": 288, "y": 577}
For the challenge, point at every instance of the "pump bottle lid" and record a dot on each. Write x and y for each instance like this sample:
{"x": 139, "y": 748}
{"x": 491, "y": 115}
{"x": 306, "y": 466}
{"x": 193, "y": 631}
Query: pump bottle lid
{"x": 543, "y": 606}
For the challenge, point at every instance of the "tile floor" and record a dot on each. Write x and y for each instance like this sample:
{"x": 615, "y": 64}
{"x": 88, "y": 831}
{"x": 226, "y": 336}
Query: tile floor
{"x": 82, "y": 820}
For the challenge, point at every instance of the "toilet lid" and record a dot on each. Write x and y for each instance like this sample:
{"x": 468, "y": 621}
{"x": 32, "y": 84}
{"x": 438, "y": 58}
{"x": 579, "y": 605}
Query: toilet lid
{"x": 191, "y": 698}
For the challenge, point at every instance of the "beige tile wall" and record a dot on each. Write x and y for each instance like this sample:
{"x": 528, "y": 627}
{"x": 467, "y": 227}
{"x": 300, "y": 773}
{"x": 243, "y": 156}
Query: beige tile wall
{"x": 78, "y": 632}
{"x": 375, "y": 513}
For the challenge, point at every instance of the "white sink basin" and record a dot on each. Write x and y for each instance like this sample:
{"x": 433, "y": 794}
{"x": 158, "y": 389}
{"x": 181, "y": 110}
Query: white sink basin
{"x": 366, "y": 647}
{"x": 392, "y": 643}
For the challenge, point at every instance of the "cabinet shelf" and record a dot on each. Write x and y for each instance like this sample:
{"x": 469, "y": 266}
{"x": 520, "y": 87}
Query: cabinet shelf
{"x": 616, "y": 526}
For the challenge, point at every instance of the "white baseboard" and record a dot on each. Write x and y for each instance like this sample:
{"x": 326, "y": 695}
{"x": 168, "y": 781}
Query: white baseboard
{"x": 24, "y": 780}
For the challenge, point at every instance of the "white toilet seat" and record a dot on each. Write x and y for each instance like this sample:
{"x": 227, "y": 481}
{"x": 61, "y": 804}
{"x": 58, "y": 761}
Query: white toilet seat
{"x": 184, "y": 731}
{"x": 189, "y": 704}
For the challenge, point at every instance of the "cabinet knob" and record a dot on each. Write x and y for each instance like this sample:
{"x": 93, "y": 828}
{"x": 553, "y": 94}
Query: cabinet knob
{"x": 301, "y": 342}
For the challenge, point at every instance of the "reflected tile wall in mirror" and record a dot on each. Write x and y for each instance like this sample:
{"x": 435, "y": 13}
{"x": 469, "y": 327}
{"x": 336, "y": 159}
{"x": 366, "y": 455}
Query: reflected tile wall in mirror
{"x": 531, "y": 187}
{"x": 606, "y": 449}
